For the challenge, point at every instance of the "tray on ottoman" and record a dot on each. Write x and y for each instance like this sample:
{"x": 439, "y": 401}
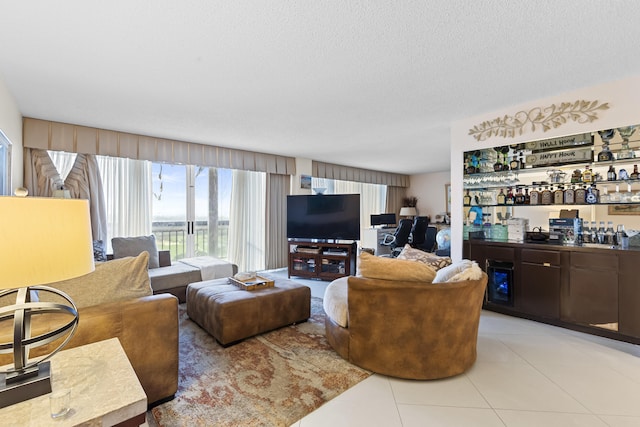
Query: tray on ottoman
{"x": 257, "y": 282}
{"x": 230, "y": 314}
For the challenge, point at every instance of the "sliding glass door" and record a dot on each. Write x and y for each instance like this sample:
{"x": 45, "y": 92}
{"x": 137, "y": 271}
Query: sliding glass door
{"x": 191, "y": 210}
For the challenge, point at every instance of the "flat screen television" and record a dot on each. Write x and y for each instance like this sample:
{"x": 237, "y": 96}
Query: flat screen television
{"x": 383, "y": 219}
{"x": 323, "y": 217}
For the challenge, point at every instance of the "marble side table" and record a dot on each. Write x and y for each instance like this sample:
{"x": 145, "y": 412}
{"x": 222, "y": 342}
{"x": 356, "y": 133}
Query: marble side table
{"x": 105, "y": 390}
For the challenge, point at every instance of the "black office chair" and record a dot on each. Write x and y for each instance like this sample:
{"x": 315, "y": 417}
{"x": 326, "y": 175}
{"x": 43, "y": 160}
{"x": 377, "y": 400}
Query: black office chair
{"x": 399, "y": 238}
{"x": 429, "y": 244}
{"x": 418, "y": 231}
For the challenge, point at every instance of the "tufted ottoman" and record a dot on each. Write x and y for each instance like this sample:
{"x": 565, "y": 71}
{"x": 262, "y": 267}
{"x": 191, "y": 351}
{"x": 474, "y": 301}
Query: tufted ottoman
{"x": 230, "y": 314}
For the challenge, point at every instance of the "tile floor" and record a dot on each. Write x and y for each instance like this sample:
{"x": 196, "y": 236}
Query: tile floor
{"x": 527, "y": 374}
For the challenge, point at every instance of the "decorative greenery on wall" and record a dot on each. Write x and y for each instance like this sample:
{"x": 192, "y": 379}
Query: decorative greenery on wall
{"x": 546, "y": 118}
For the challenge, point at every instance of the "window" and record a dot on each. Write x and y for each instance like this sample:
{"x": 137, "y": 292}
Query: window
{"x": 5, "y": 165}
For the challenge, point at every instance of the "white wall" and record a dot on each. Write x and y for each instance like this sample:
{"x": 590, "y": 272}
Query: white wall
{"x": 622, "y": 96}
{"x": 11, "y": 125}
{"x": 429, "y": 189}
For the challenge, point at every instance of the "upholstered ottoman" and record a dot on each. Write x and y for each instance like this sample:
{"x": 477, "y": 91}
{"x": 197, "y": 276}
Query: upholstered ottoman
{"x": 230, "y": 314}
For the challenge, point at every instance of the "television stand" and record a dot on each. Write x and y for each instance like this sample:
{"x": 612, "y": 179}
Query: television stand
{"x": 324, "y": 261}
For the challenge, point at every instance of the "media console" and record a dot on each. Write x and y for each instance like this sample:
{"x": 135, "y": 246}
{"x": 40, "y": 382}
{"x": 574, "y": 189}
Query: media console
{"x": 324, "y": 261}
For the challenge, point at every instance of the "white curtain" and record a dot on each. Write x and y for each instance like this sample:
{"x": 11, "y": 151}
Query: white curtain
{"x": 128, "y": 193}
{"x": 126, "y": 186}
{"x": 372, "y": 196}
{"x": 247, "y": 220}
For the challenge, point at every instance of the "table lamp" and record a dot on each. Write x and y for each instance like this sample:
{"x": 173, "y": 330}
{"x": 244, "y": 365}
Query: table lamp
{"x": 408, "y": 211}
{"x": 42, "y": 240}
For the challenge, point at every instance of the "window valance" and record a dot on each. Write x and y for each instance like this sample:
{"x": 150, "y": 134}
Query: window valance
{"x": 48, "y": 135}
{"x": 347, "y": 173}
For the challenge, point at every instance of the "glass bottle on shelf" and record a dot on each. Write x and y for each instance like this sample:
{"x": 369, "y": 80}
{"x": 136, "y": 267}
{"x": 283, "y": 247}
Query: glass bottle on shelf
{"x": 558, "y": 195}
{"x": 634, "y": 174}
{"x": 501, "y": 199}
{"x": 586, "y": 232}
{"x": 569, "y": 196}
{"x": 604, "y": 195}
{"x": 615, "y": 197}
{"x": 606, "y": 154}
{"x": 519, "y": 197}
{"x": 534, "y": 197}
{"x": 527, "y": 197}
{"x": 511, "y": 200}
{"x": 601, "y": 233}
{"x": 594, "y": 232}
{"x": 580, "y": 195}
{"x": 609, "y": 234}
{"x": 587, "y": 175}
{"x": 611, "y": 174}
{"x": 514, "y": 164}
{"x": 522, "y": 164}
{"x": 546, "y": 197}
{"x": 466, "y": 200}
{"x": 592, "y": 195}
{"x": 576, "y": 176}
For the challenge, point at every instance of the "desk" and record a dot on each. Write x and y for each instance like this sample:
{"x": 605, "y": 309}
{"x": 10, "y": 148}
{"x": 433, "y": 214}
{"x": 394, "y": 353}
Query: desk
{"x": 104, "y": 390}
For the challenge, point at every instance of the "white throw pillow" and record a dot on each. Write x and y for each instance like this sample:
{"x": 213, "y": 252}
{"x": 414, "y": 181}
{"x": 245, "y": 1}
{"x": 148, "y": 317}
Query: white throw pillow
{"x": 472, "y": 273}
{"x": 446, "y": 273}
{"x": 335, "y": 301}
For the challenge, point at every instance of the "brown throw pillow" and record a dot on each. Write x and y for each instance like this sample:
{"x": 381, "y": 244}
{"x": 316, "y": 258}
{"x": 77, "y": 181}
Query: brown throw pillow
{"x": 433, "y": 260}
{"x": 375, "y": 267}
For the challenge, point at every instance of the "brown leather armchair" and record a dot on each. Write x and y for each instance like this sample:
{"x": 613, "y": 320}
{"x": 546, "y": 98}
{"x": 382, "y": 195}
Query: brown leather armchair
{"x": 410, "y": 330}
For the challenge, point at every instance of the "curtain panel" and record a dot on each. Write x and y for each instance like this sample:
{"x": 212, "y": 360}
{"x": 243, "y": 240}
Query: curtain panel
{"x": 394, "y": 199}
{"x": 276, "y": 237}
{"x": 48, "y": 135}
{"x": 83, "y": 182}
{"x": 346, "y": 173}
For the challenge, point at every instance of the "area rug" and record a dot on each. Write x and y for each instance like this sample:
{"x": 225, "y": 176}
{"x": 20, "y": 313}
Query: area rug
{"x": 273, "y": 379}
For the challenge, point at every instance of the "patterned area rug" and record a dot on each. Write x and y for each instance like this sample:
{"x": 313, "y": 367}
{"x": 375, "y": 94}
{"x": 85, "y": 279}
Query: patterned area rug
{"x": 273, "y": 379}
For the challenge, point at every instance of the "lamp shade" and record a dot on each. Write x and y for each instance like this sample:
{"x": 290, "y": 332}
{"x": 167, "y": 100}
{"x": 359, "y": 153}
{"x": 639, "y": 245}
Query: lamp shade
{"x": 43, "y": 240}
{"x": 408, "y": 211}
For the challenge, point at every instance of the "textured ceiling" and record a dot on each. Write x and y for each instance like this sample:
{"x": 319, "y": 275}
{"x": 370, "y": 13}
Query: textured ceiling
{"x": 371, "y": 84}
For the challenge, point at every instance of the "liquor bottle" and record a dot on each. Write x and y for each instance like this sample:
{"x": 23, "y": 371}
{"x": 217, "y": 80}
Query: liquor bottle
{"x": 558, "y": 195}
{"x": 466, "y": 200}
{"x": 592, "y": 195}
{"x": 497, "y": 166}
{"x": 580, "y": 195}
{"x": 522, "y": 164}
{"x": 501, "y": 198}
{"x": 534, "y": 198}
{"x": 611, "y": 174}
{"x": 514, "y": 164}
{"x": 511, "y": 200}
{"x": 609, "y": 234}
{"x": 601, "y": 233}
{"x": 587, "y": 175}
{"x": 527, "y": 197}
{"x": 635, "y": 174}
{"x": 606, "y": 154}
{"x": 594, "y": 232}
{"x": 569, "y": 196}
{"x": 519, "y": 197}
{"x": 586, "y": 232}
{"x": 546, "y": 197}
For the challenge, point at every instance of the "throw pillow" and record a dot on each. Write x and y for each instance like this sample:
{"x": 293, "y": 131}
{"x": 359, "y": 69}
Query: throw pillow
{"x": 133, "y": 246}
{"x": 375, "y": 267}
{"x": 472, "y": 273}
{"x": 435, "y": 261}
{"x": 445, "y": 274}
{"x": 116, "y": 280}
{"x": 335, "y": 301}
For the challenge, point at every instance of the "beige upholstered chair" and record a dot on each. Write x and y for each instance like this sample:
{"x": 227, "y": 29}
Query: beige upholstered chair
{"x": 414, "y": 330}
